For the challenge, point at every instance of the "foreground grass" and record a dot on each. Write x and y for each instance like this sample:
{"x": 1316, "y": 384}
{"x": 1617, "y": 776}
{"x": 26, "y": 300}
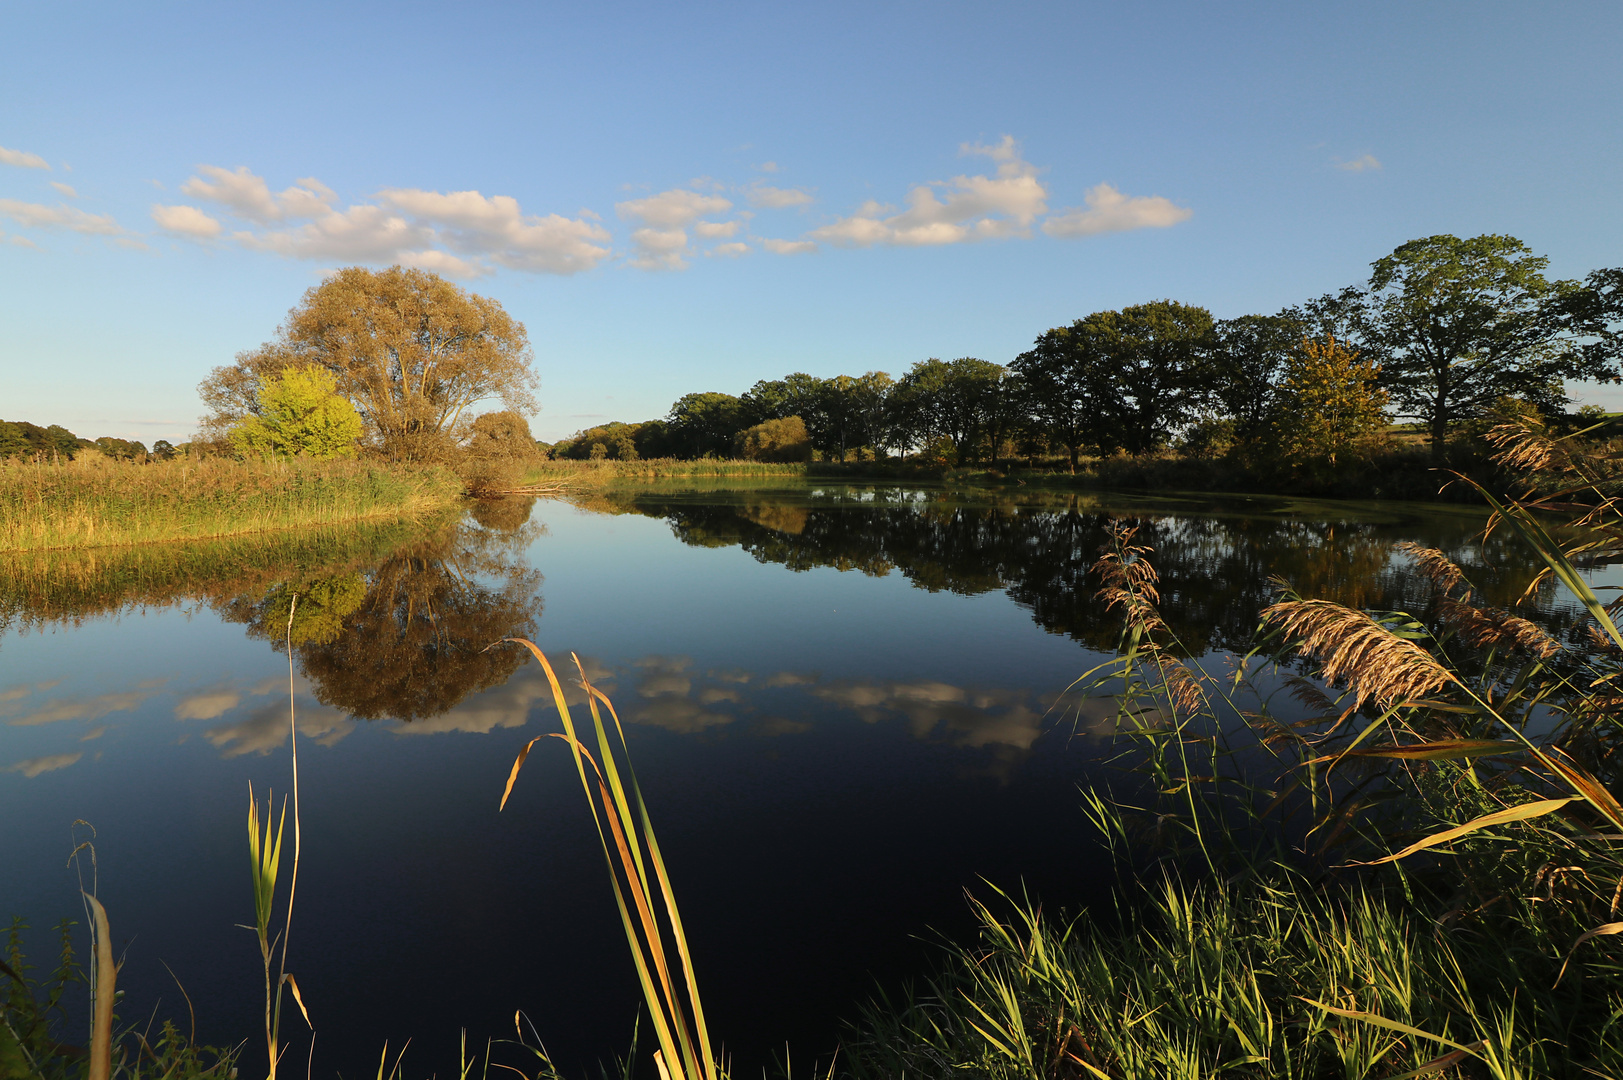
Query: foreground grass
{"x": 1273, "y": 976}
{"x": 83, "y": 505}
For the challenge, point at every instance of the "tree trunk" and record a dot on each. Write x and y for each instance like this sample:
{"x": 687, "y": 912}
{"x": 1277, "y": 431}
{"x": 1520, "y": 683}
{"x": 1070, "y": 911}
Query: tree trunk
{"x": 1439, "y": 436}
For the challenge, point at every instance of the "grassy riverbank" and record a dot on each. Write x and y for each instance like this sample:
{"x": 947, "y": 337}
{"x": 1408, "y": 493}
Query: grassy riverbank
{"x": 84, "y": 505}
{"x": 1407, "y": 472}
{"x": 603, "y": 472}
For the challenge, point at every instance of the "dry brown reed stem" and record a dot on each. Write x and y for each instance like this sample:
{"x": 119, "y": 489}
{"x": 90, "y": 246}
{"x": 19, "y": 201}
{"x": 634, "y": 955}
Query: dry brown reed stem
{"x": 1433, "y": 564}
{"x": 1354, "y": 649}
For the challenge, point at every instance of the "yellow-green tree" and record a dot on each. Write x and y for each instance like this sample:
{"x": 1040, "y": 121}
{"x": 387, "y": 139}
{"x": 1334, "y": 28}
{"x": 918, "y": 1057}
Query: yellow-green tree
{"x": 300, "y": 414}
{"x": 774, "y": 440}
{"x": 1328, "y": 406}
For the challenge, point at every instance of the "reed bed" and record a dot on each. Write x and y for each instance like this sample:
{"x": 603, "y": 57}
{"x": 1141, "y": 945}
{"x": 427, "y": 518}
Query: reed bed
{"x": 1384, "y": 845}
{"x": 97, "y": 504}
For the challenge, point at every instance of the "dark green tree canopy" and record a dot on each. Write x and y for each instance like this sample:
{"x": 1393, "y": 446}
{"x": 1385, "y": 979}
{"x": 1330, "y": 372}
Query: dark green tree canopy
{"x": 1248, "y": 361}
{"x": 701, "y": 424}
{"x": 1061, "y": 390}
{"x": 955, "y": 400}
{"x": 1148, "y": 366}
{"x": 1459, "y": 324}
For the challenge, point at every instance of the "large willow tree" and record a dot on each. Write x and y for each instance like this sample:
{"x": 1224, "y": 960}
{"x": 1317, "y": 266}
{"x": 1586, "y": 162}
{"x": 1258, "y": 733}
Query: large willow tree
{"x": 410, "y": 350}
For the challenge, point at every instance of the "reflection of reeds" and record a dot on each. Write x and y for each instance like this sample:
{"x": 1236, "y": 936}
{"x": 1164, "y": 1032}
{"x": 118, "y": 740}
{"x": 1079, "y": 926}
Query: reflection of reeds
{"x": 91, "y": 505}
{"x": 39, "y": 588}
{"x": 649, "y": 916}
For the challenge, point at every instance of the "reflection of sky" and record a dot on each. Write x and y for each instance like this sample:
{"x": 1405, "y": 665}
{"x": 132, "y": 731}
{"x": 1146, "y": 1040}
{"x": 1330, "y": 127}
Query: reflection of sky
{"x": 663, "y": 691}
{"x": 764, "y": 706}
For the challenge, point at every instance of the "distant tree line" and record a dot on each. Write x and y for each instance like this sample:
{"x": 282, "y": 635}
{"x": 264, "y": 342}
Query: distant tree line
{"x": 1445, "y": 331}
{"x": 24, "y": 441}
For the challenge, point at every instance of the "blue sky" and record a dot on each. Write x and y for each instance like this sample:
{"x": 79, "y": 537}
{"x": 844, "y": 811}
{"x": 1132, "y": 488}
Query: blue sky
{"x": 682, "y": 197}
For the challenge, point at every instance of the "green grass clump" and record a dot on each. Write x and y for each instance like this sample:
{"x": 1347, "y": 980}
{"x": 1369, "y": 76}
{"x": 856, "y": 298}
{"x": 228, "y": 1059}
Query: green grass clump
{"x": 1274, "y": 976}
{"x": 100, "y": 503}
{"x": 36, "y": 1045}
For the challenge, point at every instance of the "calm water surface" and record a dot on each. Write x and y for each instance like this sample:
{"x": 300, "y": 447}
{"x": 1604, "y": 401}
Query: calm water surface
{"x": 841, "y": 713}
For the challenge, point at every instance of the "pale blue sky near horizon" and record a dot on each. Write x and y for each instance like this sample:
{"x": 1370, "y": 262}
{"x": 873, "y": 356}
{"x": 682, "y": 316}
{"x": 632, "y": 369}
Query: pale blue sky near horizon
{"x": 676, "y": 199}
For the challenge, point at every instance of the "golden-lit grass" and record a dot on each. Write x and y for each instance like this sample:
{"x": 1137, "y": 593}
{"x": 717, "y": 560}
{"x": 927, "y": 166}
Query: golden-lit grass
{"x": 101, "y": 503}
{"x": 653, "y": 926}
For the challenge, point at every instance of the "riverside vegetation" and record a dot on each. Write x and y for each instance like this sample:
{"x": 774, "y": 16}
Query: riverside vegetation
{"x": 1384, "y": 845}
{"x": 94, "y": 503}
{"x": 1447, "y": 332}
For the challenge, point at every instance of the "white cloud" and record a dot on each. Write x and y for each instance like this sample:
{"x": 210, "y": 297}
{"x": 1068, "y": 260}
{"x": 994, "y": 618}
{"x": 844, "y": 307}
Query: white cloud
{"x": 186, "y": 221}
{"x": 672, "y": 209}
{"x": 1108, "y": 210}
{"x": 266, "y": 728}
{"x": 954, "y": 211}
{"x": 459, "y": 233}
{"x": 443, "y": 263}
{"x": 730, "y": 251}
{"x": 768, "y": 166}
{"x": 943, "y": 712}
{"x": 788, "y": 247}
{"x": 60, "y": 216}
{"x": 1360, "y": 164}
{"x": 774, "y": 198}
{"x": 207, "y": 704}
{"x": 362, "y": 233}
{"x": 22, "y": 159}
{"x": 716, "y": 230}
{"x": 662, "y": 242}
{"x": 495, "y": 227}
{"x": 92, "y": 708}
{"x": 65, "y": 189}
{"x": 660, "y": 249}
{"x": 250, "y": 198}
{"x": 23, "y": 241}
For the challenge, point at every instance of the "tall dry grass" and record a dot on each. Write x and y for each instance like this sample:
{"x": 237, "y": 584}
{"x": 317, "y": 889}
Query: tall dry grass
{"x": 103, "y": 503}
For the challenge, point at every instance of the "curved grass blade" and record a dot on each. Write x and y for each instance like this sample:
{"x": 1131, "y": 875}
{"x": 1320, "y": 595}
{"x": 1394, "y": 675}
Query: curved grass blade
{"x": 1499, "y": 817}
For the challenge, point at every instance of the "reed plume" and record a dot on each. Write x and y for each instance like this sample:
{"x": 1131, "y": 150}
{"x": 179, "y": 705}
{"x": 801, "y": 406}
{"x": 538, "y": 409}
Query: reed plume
{"x": 1355, "y": 650}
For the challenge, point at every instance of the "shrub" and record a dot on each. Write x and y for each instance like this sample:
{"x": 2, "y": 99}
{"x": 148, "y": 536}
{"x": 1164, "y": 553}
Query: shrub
{"x": 774, "y": 440}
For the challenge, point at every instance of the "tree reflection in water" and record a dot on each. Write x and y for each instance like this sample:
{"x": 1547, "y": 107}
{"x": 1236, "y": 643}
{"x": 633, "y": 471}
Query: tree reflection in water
{"x": 1219, "y": 562}
{"x": 406, "y": 638}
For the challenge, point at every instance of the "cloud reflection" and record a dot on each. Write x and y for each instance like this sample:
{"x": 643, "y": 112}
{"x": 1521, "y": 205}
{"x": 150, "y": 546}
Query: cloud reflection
{"x": 265, "y": 729}
{"x": 939, "y": 710}
{"x": 91, "y": 708}
{"x": 50, "y": 763}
